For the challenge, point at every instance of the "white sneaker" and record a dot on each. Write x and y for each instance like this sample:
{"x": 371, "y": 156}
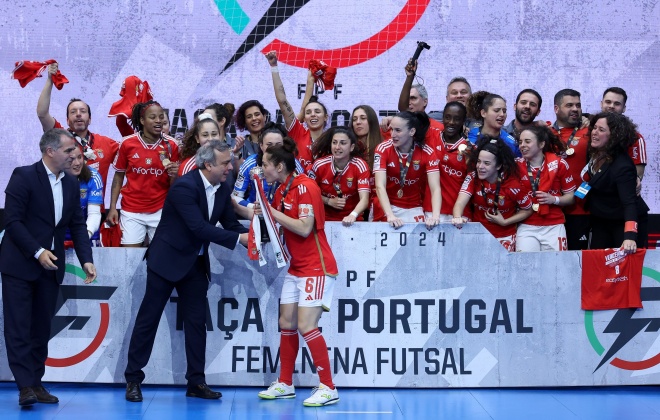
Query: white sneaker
{"x": 278, "y": 390}
{"x": 322, "y": 395}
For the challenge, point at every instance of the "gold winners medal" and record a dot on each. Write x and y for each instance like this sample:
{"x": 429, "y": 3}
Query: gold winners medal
{"x": 535, "y": 206}
{"x": 570, "y": 151}
{"x": 461, "y": 148}
{"x": 166, "y": 162}
{"x": 399, "y": 193}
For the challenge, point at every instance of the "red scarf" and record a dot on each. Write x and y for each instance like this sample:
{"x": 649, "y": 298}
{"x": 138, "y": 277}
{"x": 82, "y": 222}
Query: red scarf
{"x": 324, "y": 75}
{"x": 27, "y": 71}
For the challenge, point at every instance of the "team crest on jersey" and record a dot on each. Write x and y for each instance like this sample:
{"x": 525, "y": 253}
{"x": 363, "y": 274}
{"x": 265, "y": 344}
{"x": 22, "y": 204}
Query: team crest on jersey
{"x": 99, "y": 153}
{"x": 148, "y": 160}
{"x": 575, "y": 141}
{"x": 83, "y": 193}
{"x": 416, "y": 165}
{"x": 500, "y": 200}
{"x": 349, "y": 182}
{"x": 459, "y": 157}
{"x": 445, "y": 158}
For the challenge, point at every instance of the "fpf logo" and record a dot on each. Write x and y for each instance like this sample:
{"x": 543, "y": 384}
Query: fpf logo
{"x": 627, "y": 327}
{"x": 351, "y": 55}
{"x": 77, "y": 322}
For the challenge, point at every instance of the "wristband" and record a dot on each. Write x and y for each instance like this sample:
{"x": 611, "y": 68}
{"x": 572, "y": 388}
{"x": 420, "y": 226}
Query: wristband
{"x": 630, "y": 227}
{"x": 556, "y": 201}
{"x": 274, "y": 69}
{"x": 354, "y": 214}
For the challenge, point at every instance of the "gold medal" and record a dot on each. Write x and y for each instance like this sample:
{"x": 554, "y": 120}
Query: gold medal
{"x": 399, "y": 193}
{"x": 535, "y": 206}
{"x": 166, "y": 162}
{"x": 570, "y": 151}
{"x": 461, "y": 148}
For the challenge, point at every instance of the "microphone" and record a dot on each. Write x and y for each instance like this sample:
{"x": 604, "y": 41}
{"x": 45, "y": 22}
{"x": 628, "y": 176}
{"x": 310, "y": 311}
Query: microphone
{"x": 421, "y": 45}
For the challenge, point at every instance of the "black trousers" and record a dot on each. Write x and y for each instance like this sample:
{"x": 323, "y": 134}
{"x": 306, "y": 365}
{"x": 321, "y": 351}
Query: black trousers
{"x": 577, "y": 231}
{"x": 192, "y": 303}
{"x": 607, "y": 233}
{"x": 28, "y": 309}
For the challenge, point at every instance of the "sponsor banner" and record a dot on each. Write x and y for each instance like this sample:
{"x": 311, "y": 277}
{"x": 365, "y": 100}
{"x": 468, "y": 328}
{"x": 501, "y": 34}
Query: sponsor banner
{"x": 412, "y": 308}
{"x": 197, "y": 52}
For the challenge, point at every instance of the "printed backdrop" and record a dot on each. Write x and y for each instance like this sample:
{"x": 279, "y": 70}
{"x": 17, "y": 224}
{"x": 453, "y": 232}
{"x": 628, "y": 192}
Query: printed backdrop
{"x": 194, "y": 52}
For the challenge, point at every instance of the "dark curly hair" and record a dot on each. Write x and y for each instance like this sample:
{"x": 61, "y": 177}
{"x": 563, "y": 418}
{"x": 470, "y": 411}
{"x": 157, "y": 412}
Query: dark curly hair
{"x": 240, "y": 114}
{"x": 543, "y": 134}
{"x": 189, "y": 145}
{"x": 503, "y": 156}
{"x": 623, "y": 133}
{"x": 479, "y": 101}
{"x": 138, "y": 113}
{"x": 323, "y": 145}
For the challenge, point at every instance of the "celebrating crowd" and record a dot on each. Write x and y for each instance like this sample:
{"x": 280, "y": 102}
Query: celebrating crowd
{"x": 569, "y": 184}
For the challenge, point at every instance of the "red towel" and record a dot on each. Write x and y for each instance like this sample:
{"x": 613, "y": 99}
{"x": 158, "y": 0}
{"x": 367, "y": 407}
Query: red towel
{"x": 110, "y": 235}
{"x": 27, "y": 71}
{"x": 133, "y": 91}
{"x": 323, "y": 74}
{"x": 611, "y": 279}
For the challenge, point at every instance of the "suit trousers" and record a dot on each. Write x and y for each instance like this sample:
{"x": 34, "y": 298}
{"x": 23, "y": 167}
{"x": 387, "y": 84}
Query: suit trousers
{"x": 192, "y": 304}
{"x": 28, "y": 309}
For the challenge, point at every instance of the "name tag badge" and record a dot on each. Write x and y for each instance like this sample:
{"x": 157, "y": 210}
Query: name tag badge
{"x": 583, "y": 190}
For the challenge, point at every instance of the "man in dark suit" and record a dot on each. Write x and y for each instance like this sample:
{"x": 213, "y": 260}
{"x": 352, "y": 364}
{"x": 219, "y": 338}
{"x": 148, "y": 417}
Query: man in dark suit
{"x": 41, "y": 203}
{"x": 178, "y": 258}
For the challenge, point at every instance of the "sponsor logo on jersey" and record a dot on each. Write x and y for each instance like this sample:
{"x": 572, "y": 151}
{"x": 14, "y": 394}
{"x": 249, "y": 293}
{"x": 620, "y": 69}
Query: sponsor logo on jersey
{"x": 391, "y": 165}
{"x": 435, "y": 162}
{"x": 148, "y": 171}
{"x": 552, "y": 166}
{"x": 615, "y": 257}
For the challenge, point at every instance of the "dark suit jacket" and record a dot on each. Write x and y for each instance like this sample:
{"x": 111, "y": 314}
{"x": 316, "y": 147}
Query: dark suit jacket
{"x": 30, "y": 223}
{"x": 185, "y": 227}
{"x": 612, "y": 195}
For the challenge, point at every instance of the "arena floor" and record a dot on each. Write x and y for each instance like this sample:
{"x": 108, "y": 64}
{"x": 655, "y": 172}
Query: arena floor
{"x": 98, "y": 402}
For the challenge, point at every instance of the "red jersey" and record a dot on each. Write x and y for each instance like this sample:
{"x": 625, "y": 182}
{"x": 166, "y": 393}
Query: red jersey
{"x": 637, "y": 151}
{"x": 387, "y": 159}
{"x": 301, "y": 135}
{"x": 350, "y": 181}
{"x": 611, "y": 279}
{"x": 578, "y": 140}
{"x": 556, "y": 179}
{"x": 105, "y": 150}
{"x": 512, "y": 195}
{"x": 187, "y": 165}
{"x": 310, "y": 256}
{"x": 147, "y": 181}
{"x": 453, "y": 169}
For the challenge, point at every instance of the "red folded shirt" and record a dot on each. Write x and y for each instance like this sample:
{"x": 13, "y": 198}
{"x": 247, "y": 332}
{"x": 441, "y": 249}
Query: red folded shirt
{"x": 27, "y": 71}
{"x": 133, "y": 91}
{"x": 323, "y": 74}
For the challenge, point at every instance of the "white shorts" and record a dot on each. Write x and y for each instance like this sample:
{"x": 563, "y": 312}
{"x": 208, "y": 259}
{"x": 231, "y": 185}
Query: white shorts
{"x": 413, "y": 215}
{"x": 444, "y": 218}
{"x": 308, "y": 291}
{"x": 508, "y": 242}
{"x": 540, "y": 238}
{"x": 134, "y": 226}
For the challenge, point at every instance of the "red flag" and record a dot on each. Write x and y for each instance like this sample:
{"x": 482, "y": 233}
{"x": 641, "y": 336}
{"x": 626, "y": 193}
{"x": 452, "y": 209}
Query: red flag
{"x": 133, "y": 91}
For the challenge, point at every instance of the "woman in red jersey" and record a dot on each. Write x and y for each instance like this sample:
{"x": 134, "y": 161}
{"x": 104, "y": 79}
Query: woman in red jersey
{"x": 400, "y": 164}
{"x": 203, "y": 130}
{"x": 364, "y": 123}
{"x": 342, "y": 175}
{"x": 314, "y": 113}
{"x": 493, "y": 186}
{"x": 148, "y": 159}
{"x": 552, "y": 185}
{"x": 309, "y": 283}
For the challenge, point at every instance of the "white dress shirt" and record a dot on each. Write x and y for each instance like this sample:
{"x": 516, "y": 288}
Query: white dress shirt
{"x": 58, "y": 200}
{"x": 210, "y": 198}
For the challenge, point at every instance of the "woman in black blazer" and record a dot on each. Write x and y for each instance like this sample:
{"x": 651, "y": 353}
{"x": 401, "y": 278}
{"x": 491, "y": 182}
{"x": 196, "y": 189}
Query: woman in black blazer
{"x": 619, "y": 217}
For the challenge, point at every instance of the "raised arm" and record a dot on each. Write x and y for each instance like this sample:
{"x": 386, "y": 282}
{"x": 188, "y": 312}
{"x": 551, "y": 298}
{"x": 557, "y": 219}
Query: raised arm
{"x": 404, "y": 97}
{"x": 280, "y": 95}
{"x": 309, "y": 89}
{"x": 43, "y": 104}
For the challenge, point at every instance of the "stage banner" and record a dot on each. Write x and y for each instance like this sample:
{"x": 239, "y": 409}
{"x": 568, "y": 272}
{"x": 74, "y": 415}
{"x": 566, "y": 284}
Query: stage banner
{"x": 412, "y": 308}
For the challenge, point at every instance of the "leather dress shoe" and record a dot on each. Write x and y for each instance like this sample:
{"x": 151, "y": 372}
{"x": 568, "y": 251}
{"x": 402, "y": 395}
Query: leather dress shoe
{"x": 26, "y": 397}
{"x": 43, "y": 396}
{"x": 202, "y": 391}
{"x": 133, "y": 392}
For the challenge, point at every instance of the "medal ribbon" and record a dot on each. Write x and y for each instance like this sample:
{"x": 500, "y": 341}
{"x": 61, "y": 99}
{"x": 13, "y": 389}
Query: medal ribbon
{"x": 336, "y": 183}
{"x": 403, "y": 170}
{"x": 497, "y": 193}
{"x": 534, "y": 181}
